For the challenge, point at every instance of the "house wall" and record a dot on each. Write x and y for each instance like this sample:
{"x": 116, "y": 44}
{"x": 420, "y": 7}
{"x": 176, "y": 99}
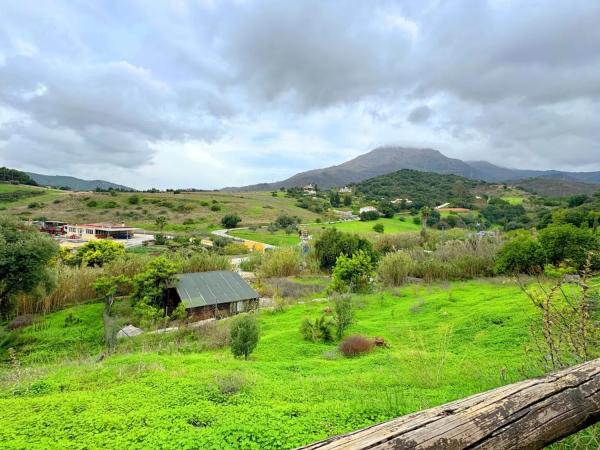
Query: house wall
{"x": 222, "y": 310}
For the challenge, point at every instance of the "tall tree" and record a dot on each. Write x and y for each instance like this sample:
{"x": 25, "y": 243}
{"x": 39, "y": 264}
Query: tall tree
{"x": 24, "y": 257}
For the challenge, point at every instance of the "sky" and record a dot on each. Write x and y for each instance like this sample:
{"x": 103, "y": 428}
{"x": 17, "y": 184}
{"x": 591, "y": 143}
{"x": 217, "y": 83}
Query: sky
{"x": 214, "y": 93}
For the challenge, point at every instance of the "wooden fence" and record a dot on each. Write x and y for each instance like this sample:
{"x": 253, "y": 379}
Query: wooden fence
{"x": 530, "y": 414}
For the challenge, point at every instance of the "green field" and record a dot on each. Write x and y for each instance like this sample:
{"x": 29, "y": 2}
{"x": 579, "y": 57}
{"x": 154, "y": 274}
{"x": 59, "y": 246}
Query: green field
{"x": 278, "y": 238}
{"x": 445, "y": 342}
{"x": 513, "y": 200}
{"x": 394, "y": 225}
{"x": 26, "y": 195}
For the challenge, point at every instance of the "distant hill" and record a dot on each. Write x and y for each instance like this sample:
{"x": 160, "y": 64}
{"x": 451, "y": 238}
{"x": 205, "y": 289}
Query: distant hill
{"x": 423, "y": 188}
{"x": 384, "y": 160}
{"x": 556, "y": 187}
{"x": 15, "y": 176}
{"x": 75, "y": 184}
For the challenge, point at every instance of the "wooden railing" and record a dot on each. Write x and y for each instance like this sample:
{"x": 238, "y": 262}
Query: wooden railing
{"x": 530, "y": 414}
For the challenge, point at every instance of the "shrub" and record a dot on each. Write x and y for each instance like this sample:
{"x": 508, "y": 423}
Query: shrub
{"x": 92, "y": 204}
{"x": 151, "y": 285}
{"x": 202, "y": 261}
{"x": 343, "y": 314}
{"x": 282, "y": 262}
{"x": 215, "y": 207}
{"x": 369, "y": 215}
{"x": 334, "y": 243}
{"x": 388, "y": 243}
{"x": 567, "y": 243}
{"x": 133, "y": 199}
{"x": 394, "y": 268}
{"x": 378, "y": 228}
{"x": 319, "y": 330}
{"x": 521, "y": 255}
{"x": 235, "y": 248}
{"x": 230, "y": 220}
{"x": 251, "y": 263}
{"x": 244, "y": 335}
{"x": 98, "y": 252}
{"x": 355, "y": 345}
{"x": 285, "y": 221}
{"x": 353, "y": 274}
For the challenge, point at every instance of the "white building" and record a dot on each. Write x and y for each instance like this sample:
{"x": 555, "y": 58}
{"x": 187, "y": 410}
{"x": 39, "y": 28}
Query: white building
{"x": 365, "y": 209}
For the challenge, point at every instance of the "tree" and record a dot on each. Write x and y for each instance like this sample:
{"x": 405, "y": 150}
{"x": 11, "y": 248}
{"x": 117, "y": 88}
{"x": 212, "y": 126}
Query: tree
{"x": 107, "y": 287}
{"x": 334, "y": 243}
{"x": 343, "y": 314}
{"x": 523, "y": 254}
{"x": 133, "y": 199}
{"x": 244, "y": 335}
{"x": 160, "y": 222}
{"x": 334, "y": 198}
{"x": 230, "y": 220}
{"x": 567, "y": 243}
{"x": 98, "y": 252}
{"x": 353, "y": 274}
{"x": 369, "y": 215}
{"x": 348, "y": 200}
{"x": 24, "y": 257}
{"x": 150, "y": 286}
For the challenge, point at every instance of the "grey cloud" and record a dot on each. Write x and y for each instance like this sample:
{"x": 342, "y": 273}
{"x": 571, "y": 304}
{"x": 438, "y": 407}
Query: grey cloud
{"x": 420, "y": 114}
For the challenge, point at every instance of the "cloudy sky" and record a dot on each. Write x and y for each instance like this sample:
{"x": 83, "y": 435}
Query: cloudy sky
{"x": 211, "y": 93}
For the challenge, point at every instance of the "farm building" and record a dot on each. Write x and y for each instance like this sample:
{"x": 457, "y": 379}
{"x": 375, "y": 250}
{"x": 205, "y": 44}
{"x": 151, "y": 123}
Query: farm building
{"x": 100, "y": 231}
{"x": 213, "y": 294}
{"x": 365, "y": 209}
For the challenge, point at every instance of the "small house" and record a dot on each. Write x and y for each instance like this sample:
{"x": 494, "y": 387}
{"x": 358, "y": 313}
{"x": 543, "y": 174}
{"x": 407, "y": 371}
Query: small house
{"x": 213, "y": 294}
{"x": 100, "y": 231}
{"x": 365, "y": 209}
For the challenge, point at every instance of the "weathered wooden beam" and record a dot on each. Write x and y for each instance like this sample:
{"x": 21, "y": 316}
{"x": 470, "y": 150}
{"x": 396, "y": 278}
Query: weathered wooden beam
{"x": 526, "y": 415}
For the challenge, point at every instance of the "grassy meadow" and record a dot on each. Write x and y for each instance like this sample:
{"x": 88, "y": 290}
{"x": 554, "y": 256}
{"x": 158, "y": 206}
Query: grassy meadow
{"x": 185, "y": 212}
{"x": 393, "y": 225}
{"x": 445, "y": 341}
{"x": 278, "y": 238}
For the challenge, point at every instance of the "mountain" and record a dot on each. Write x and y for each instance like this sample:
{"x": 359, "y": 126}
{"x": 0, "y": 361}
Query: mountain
{"x": 556, "y": 187}
{"x": 383, "y": 160}
{"x": 75, "y": 184}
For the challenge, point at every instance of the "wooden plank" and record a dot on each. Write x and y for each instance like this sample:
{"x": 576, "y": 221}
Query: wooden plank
{"x": 530, "y": 414}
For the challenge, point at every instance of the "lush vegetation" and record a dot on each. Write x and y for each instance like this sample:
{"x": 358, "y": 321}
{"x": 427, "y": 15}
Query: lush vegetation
{"x": 15, "y": 176}
{"x": 291, "y": 391}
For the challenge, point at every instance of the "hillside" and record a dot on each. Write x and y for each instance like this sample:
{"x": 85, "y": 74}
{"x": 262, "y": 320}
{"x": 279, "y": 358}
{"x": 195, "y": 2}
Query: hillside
{"x": 425, "y": 188}
{"x": 75, "y": 184}
{"x": 383, "y": 160}
{"x": 15, "y": 176}
{"x": 556, "y": 187}
{"x": 186, "y": 390}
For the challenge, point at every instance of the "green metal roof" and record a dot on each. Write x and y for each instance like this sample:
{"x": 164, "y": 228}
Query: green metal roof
{"x": 211, "y": 288}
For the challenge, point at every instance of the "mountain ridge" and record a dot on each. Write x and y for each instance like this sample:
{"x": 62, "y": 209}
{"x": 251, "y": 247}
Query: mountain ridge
{"x": 76, "y": 184}
{"x": 388, "y": 159}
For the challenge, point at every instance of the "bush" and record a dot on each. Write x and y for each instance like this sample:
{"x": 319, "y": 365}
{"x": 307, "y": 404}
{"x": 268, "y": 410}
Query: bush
{"x": 567, "y": 243}
{"x": 235, "y": 248}
{"x": 355, "y": 345}
{"x": 388, "y": 243}
{"x": 98, "y": 252}
{"x": 394, "y": 268}
{"x": 251, "y": 263}
{"x": 244, "y": 336}
{"x": 282, "y": 262}
{"x": 353, "y": 274}
{"x": 343, "y": 314}
{"x": 202, "y": 261}
{"x": 230, "y": 220}
{"x": 378, "y": 228}
{"x": 215, "y": 207}
{"x": 521, "y": 255}
{"x": 133, "y": 199}
{"x": 369, "y": 215}
{"x": 319, "y": 330}
{"x": 334, "y": 243}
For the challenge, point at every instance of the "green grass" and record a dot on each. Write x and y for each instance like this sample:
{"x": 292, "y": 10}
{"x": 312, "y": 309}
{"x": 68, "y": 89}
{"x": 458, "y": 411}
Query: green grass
{"x": 513, "y": 200}
{"x": 394, "y": 225}
{"x": 29, "y": 194}
{"x": 278, "y": 238}
{"x": 445, "y": 342}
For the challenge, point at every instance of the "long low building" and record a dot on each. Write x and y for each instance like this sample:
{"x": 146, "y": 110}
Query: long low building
{"x": 99, "y": 231}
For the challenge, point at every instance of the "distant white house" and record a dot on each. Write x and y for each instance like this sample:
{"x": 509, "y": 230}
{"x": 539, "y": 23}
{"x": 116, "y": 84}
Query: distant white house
{"x": 443, "y": 205}
{"x": 345, "y": 190}
{"x": 400, "y": 200}
{"x": 365, "y": 209}
{"x": 309, "y": 189}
